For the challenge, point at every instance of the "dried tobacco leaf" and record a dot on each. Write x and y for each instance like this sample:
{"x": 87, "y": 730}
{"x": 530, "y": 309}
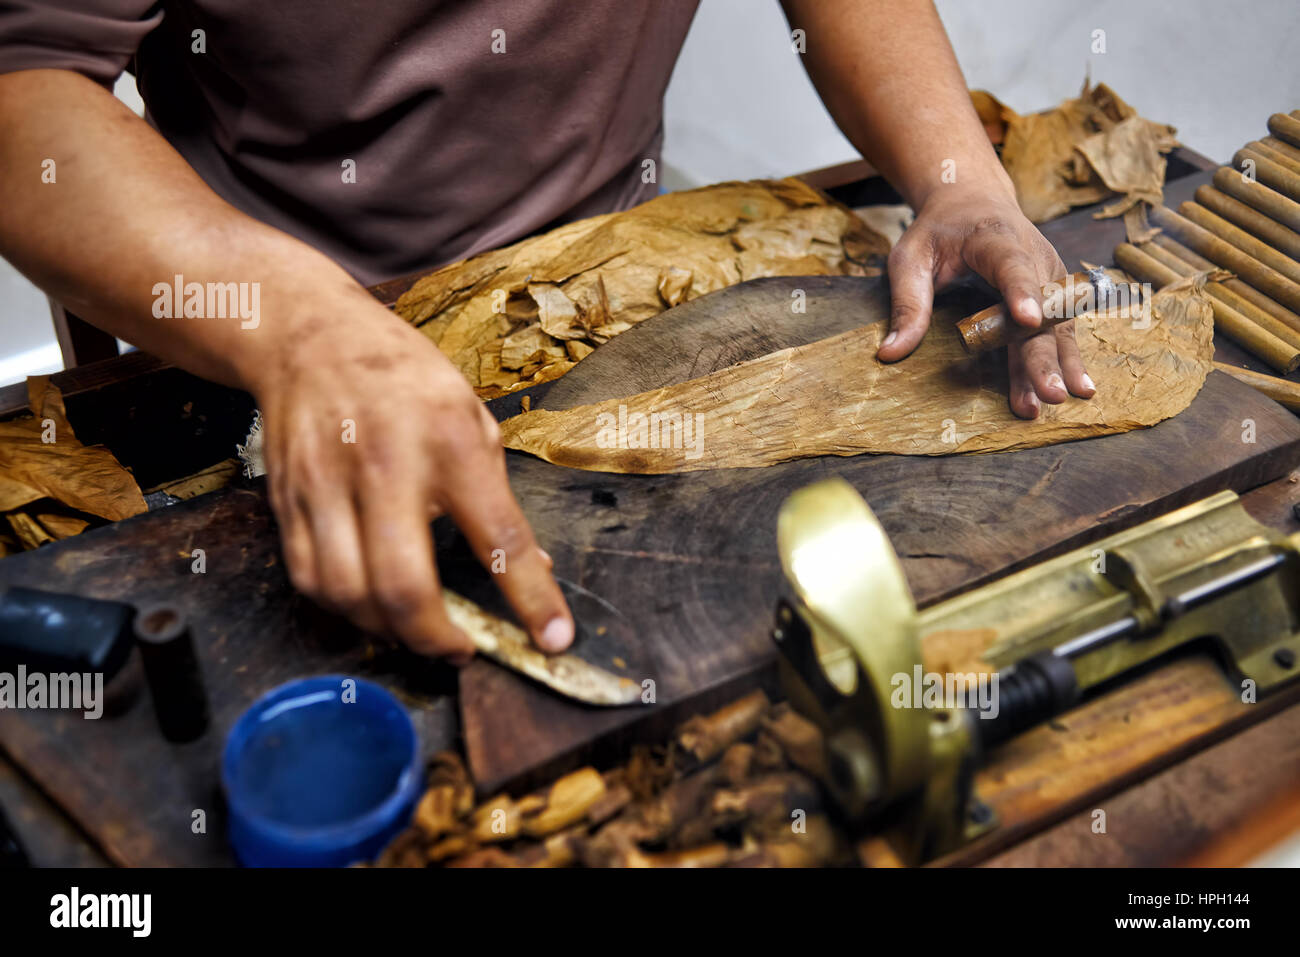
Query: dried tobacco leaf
{"x": 526, "y": 314}
{"x": 86, "y": 478}
{"x": 833, "y": 397}
{"x": 201, "y": 482}
{"x": 1080, "y": 153}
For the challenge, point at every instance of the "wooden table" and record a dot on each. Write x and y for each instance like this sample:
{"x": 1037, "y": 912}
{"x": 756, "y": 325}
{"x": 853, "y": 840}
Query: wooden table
{"x": 147, "y": 413}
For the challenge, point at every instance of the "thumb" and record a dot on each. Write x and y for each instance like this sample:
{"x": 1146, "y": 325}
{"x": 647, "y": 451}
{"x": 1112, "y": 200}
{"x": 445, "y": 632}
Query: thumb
{"x": 911, "y": 292}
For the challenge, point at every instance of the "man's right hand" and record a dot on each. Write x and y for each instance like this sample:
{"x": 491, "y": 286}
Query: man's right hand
{"x": 355, "y": 515}
{"x": 370, "y": 434}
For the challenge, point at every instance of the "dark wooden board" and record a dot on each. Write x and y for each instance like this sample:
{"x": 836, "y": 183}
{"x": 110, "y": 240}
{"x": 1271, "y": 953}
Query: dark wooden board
{"x": 691, "y": 558}
{"x": 116, "y": 776}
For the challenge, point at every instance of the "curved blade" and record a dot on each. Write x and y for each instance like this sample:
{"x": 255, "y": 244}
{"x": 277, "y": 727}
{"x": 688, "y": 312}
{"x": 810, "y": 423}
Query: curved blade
{"x": 508, "y": 644}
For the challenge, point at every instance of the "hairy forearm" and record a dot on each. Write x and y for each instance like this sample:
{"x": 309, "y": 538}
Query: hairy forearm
{"x": 888, "y": 76}
{"x": 124, "y": 213}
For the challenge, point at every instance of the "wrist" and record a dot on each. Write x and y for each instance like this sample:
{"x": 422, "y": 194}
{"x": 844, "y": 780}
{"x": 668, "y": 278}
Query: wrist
{"x": 302, "y": 328}
{"x": 961, "y": 177}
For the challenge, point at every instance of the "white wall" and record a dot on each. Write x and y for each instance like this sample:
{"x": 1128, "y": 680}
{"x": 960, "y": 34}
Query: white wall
{"x": 740, "y": 105}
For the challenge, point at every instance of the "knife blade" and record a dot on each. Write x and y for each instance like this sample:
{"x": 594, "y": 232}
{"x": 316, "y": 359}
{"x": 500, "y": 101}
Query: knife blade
{"x": 509, "y": 645}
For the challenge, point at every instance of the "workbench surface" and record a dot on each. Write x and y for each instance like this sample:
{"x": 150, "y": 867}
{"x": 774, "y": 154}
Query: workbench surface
{"x": 132, "y": 404}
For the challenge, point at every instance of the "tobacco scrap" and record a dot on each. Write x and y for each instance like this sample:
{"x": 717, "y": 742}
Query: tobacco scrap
{"x": 52, "y": 486}
{"x": 707, "y": 736}
{"x": 714, "y": 796}
{"x": 525, "y": 314}
{"x": 205, "y": 480}
{"x": 1088, "y": 149}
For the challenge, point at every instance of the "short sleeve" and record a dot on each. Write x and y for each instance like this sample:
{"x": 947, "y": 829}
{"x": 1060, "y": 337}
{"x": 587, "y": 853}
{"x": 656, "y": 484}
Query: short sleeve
{"x": 96, "y": 38}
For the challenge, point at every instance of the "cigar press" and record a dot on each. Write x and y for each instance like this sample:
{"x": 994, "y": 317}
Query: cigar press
{"x": 851, "y": 636}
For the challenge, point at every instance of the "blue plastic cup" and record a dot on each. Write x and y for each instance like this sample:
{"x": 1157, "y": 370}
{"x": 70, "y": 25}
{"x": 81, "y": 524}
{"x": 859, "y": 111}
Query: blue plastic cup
{"x": 320, "y": 772}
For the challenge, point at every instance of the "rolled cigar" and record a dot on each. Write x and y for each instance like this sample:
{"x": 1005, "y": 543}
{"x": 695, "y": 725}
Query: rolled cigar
{"x": 1231, "y": 323}
{"x": 1217, "y": 290}
{"x": 1280, "y": 157}
{"x": 1252, "y": 246}
{"x": 1286, "y": 128}
{"x": 1269, "y": 172}
{"x": 1247, "y": 292}
{"x": 1268, "y": 201}
{"x": 1251, "y": 220}
{"x": 992, "y": 328}
{"x": 1283, "y": 391}
{"x": 1222, "y": 253}
{"x": 1283, "y": 147}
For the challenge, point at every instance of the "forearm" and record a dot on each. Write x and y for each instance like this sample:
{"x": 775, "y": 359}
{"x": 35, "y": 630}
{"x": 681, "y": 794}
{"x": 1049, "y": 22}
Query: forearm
{"x": 888, "y": 76}
{"x": 124, "y": 213}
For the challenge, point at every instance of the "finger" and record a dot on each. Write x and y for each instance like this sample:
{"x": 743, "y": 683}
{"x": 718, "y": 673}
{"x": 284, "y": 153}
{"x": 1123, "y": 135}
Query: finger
{"x": 1020, "y": 395}
{"x": 341, "y": 580}
{"x": 997, "y": 254}
{"x": 1043, "y": 367}
{"x": 295, "y": 533}
{"x": 911, "y": 294}
{"x": 496, "y": 529}
{"x": 398, "y": 548}
{"x": 1077, "y": 379}
{"x": 291, "y": 522}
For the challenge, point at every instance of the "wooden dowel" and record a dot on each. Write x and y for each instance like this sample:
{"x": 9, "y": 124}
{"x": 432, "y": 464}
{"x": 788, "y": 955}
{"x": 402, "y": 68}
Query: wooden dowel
{"x": 1283, "y": 391}
{"x": 1222, "y": 253}
{"x": 1218, "y": 291}
{"x": 1286, "y": 128}
{"x": 1268, "y": 201}
{"x": 1252, "y": 221}
{"x": 1283, "y": 147}
{"x": 1252, "y": 246}
{"x": 1280, "y": 157}
{"x": 1245, "y": 291}
{"x": 1268, "y": 172}
{"x": 1231, "y": 323}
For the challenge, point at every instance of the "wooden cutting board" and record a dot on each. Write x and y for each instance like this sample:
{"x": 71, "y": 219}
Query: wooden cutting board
{"x": 691, "y": 558}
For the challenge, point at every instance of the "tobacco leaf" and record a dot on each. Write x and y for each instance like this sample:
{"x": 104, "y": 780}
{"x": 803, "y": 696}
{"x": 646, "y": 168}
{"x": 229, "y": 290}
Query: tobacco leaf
{"x": 832, "y": 397}
{"x": 1086, "y": 150}
{"x": 216, "y": 476}
{"x": 86, "y": 478}
{"x": 527, "y": 313}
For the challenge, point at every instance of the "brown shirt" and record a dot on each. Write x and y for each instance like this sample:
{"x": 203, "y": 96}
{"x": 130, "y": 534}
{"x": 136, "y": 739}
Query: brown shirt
{"x": 463, "y": 138}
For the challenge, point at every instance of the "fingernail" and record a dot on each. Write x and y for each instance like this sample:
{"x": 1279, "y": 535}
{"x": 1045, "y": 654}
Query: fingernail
{"x": 1056, "y": 382}
{"x": 557, "y": 635}
{"x": 546, "y": 556}
{"x": 1031, "y": 309}
{"x": 1032, "y": 399}
{"x": 1088, "y": 383}
{"x": 889, "y": 339}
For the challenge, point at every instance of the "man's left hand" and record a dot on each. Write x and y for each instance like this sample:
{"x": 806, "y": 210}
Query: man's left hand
{"x": 963, "y": 229}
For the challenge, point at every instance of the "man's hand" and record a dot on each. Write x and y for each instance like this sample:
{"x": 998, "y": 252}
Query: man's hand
{"x": 958, "y": 231}
{"x": 354, "y": 499}
{"x": 370, "y": 434}
{"x": 887, "y": 73}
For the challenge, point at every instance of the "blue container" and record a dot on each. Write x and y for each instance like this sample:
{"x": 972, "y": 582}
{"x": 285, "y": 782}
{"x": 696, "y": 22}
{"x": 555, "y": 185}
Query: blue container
{"x": 320, "y": 772}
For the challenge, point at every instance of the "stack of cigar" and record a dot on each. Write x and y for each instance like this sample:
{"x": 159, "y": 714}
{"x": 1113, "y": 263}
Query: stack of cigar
{"x": 1246, "y": 223}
